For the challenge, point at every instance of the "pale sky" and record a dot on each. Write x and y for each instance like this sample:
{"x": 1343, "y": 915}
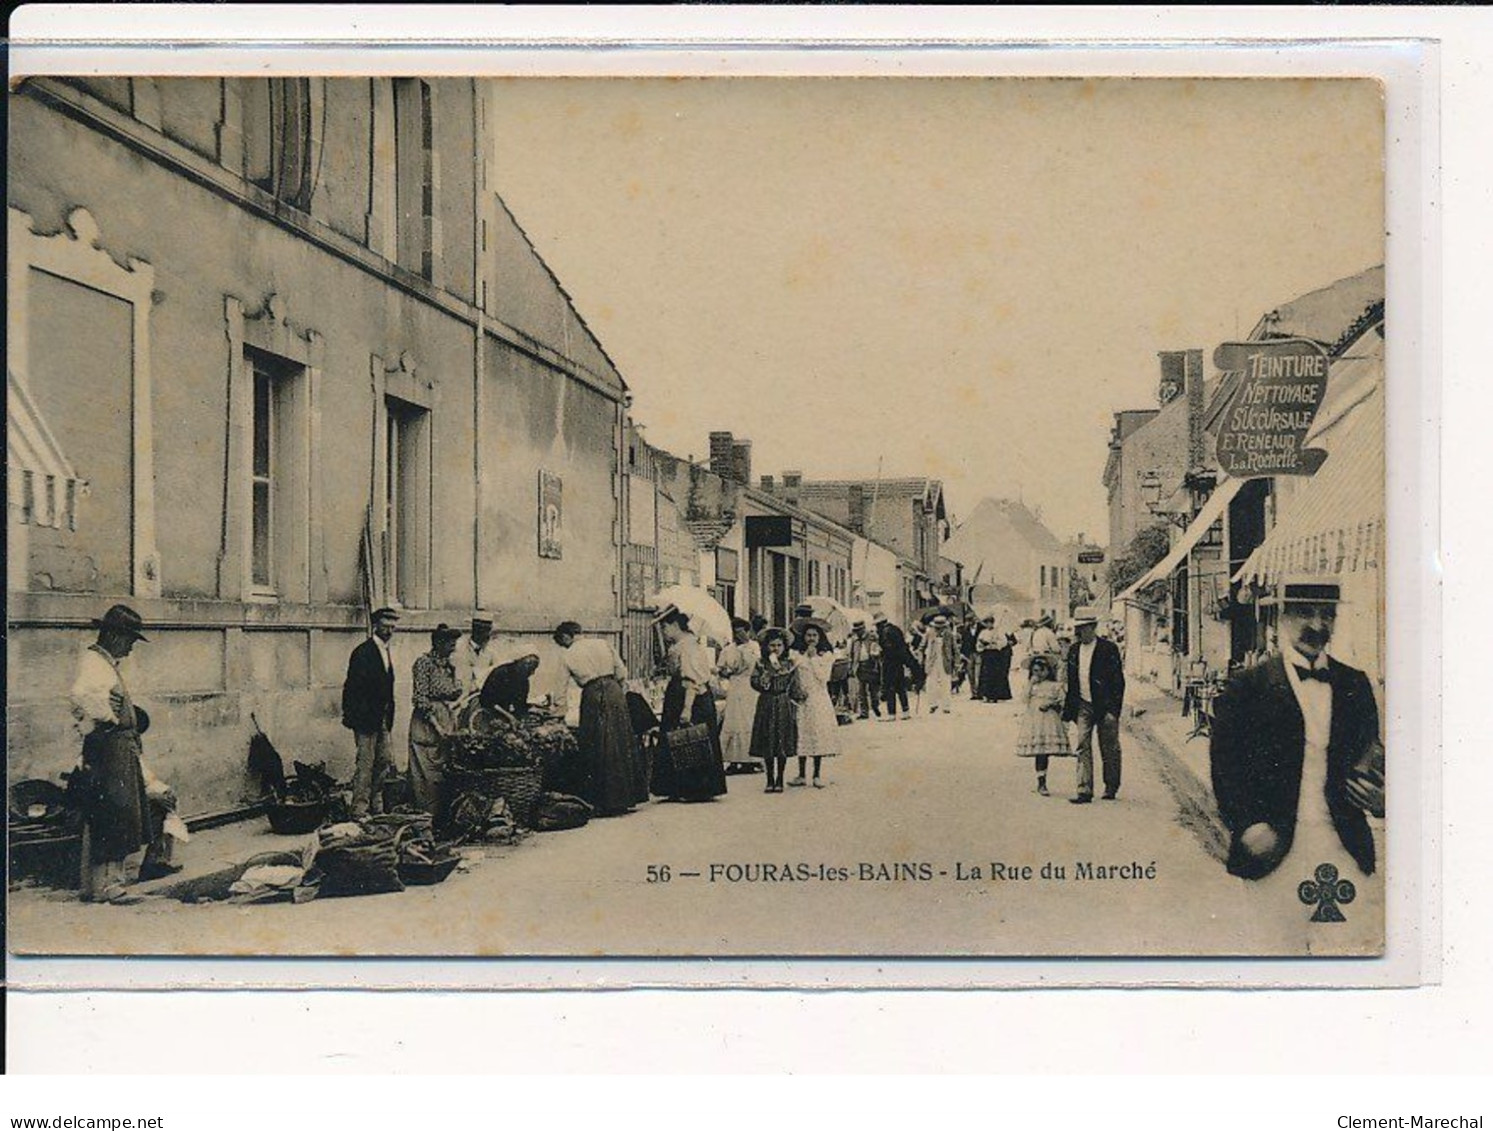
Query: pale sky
{"x": 961, "y": 278}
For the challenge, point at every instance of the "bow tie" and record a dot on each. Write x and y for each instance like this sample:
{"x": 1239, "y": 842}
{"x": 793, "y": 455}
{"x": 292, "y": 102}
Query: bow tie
{"x": 1311, "y": 673}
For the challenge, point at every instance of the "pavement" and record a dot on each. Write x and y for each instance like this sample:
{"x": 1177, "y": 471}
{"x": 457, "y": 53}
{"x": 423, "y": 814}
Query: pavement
{"x": 929, "y": 840}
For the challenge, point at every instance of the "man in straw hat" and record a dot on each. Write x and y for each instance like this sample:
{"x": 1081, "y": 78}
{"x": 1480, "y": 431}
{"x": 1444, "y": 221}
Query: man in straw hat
{"x": 940, "y": 660}
{"x": 1297, "y": 765}
{"x": 1095, "y": 695}
{"x": 368, "y": 711}
{"x": 476, "y": 655}
{"x": 115, "y": 787}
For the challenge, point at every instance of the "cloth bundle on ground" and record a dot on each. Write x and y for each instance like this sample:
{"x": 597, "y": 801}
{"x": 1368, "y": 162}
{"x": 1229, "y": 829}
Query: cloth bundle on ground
{"x": 355, "y": 860}
{"x": 558, "y": 811}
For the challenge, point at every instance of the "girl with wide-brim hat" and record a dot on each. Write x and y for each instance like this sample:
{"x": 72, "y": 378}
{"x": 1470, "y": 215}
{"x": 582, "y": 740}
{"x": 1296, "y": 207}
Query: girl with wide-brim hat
{"x": 774, "y": 722}
{"x": 1043, "y": 735}
{"x": 818, "y": 727}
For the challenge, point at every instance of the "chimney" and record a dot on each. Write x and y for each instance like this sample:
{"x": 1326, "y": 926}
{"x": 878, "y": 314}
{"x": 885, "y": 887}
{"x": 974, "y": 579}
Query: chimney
{"x": 856, "y": 504}
{"x": 1195, "y": 407}
{"x": 1173, "y": 376}
{"x": 767, "y": 484}
{"x": 793, "y": 482}
{"x": 721, "y": 462}
{"x": 741, "y": 461}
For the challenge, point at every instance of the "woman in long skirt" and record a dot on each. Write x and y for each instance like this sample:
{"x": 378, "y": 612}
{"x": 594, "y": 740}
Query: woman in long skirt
{"x": 612, "y": 781}
{"x": 818, "y": 728}
{"x": 436, "y": 691}
{"x": 737, "y": 662}
{"x": 688, "y": 698}
{"x": 774, "y": 729}
{"x": 995, "y": 663}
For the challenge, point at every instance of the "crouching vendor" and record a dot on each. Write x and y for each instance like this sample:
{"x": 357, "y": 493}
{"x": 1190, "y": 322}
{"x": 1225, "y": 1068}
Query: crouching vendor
{"x": 126, "y": 809}
{"x": 507, "y": 687}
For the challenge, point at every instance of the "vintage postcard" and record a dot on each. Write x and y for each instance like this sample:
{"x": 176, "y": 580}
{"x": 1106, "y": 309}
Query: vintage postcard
{"x": 696, "y": 517}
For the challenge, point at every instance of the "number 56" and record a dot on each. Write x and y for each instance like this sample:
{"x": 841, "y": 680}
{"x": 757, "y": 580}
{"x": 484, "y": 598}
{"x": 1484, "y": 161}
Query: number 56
{"x": 658, "y": 873}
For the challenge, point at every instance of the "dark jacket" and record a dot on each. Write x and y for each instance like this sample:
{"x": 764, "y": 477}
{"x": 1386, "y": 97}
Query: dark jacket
{"x": 1106, "y": 681}
{"x": 895, "y": 654}
{"x": 507, "y": 687}
{"x": 1258, "y": 745}
{"x": 368, "y": 693}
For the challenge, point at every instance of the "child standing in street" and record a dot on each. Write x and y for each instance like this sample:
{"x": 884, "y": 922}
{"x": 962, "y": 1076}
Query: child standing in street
{"x": 1043, "y": 735}
{"x": 774, "y": 728}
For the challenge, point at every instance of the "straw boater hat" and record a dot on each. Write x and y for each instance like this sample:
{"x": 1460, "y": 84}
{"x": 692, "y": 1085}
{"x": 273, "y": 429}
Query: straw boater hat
{"x": 481, "y": 616}
{"x": 1307, "y": 589}
{"x": 878, "y": 618}
{"x": 1086, "y": 614}
{"x": 940, "y": 621}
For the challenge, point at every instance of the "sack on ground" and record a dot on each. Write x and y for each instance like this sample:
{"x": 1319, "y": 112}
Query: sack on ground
{"x": 558, "y": 811}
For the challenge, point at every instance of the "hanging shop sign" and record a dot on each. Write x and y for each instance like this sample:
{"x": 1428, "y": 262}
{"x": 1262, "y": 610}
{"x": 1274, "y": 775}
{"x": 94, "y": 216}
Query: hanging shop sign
{"x": 1090, "y": 557}
{"x": 1263, "y": 430}
{"x": 550, "y": 541}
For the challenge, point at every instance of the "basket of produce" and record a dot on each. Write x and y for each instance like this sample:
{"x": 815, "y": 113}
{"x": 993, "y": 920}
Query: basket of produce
{"x": 302, "y": 808}
{"x": 504, "y": 764}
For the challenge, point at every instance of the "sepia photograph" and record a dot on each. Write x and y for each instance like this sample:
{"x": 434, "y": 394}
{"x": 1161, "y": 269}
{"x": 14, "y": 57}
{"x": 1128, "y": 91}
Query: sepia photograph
{"x": 699, "y": 518}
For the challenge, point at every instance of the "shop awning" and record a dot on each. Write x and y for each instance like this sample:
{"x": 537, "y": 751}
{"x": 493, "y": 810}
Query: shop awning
{"x": 1336, "y": 522}
{"x": 1212, "y": 511}
{"x": 44, "y": 488}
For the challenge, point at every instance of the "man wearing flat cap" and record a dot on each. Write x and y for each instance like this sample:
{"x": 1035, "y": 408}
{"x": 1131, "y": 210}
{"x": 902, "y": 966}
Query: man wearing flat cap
{"x": 368, "y": 711}
{"x": 1296, "y": 758}
{"x": 113, "y": 784}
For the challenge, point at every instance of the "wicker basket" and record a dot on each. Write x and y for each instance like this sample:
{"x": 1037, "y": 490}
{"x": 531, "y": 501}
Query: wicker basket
{"x": 520, "y": 787}
{"x": 292, "y": 818}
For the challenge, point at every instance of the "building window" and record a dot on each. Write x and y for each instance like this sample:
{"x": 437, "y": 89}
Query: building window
{"x": 407, "y": 502}
{"x": 414, "y": 181}
{"x": 276, "y": 467}
{"x": 278, "y": 141}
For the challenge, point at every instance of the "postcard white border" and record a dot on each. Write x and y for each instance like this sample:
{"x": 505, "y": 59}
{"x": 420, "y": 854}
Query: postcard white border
{"x": 1409, "y": 70}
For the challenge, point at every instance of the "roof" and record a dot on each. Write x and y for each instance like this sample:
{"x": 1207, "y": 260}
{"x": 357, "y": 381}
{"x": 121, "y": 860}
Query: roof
{"x": 930, "y": 491}
{"x": 997, "y": 520}
{"x": 1330, "y": 313}
{"x": 1334, "y": 316}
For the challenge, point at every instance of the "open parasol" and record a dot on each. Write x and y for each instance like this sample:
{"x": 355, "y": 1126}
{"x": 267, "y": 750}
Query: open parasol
{"x": 1005, "y": 619}
{"x": 707, "y": 619}
{"x": 836, "y": 617}
{"x": 950, "y": 611}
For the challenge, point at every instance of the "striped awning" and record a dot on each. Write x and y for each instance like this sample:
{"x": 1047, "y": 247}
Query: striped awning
{"x": 44, "y": 488}
{"x": 1335, "y": 524}
{"x": 1211, "y": 512}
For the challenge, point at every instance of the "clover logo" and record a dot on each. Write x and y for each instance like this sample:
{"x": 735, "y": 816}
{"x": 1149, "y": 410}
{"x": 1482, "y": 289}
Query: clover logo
{"x": 1326, "y": 891}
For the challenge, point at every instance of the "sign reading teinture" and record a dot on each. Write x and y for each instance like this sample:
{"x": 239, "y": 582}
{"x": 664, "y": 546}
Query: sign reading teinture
{"x": 1263, "y": 429}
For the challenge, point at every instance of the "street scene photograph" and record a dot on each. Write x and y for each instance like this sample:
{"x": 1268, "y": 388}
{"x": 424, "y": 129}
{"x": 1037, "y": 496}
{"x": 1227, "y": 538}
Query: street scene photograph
{"x": 696, "y": 517}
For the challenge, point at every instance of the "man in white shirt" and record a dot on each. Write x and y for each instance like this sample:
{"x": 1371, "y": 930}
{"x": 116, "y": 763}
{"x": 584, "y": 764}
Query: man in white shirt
{"x": 368, "y": 711}
{"x": 1297, "y": 767}
{"x": 1095, "y": 697}
{"x": 476, "y": 655}
{"x": 111, "y": 784}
